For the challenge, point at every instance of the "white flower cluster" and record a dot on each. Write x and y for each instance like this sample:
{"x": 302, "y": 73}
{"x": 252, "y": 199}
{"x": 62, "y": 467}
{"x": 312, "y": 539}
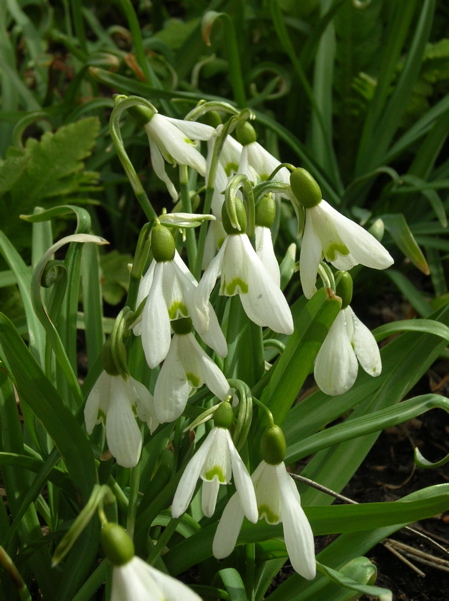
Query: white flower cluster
{"x": 174, "y": 305}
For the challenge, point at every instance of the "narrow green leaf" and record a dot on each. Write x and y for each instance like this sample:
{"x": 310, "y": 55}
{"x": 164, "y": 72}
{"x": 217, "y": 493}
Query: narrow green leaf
{"x": 400, "y": 232}
{"x": 233, "y": 584}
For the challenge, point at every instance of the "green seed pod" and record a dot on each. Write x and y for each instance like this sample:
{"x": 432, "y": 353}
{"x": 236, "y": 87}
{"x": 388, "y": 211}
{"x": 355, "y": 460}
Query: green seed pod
{"x": 141, "y": 114}
{"x": 223, "y": 416}
{"x": 344, "y": 287}
{"x": 162, "y": 244}
{"x": 182, "y": 326}
{"x": 109, "y": 365}
{"x": 305, "y": 188}
{"x": 273, "y": 446}
{"x": 241, "y": 218}
{"x": 246, "y": 134}
{"x": 117, "y": 544}
{"x": 266, "y": 211}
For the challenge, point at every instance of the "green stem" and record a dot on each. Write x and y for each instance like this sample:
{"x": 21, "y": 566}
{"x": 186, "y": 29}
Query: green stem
{"x": 163, "y": 540}
{"x": 187, "y": 208}
{"x": 134, "y": 492}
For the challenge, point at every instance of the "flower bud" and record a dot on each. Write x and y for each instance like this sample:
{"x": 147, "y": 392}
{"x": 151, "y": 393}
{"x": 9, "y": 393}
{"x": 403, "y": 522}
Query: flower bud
{"x": 266, "y": 211}
{"x": 246, "y": 134}
{"x": 273, "y": 446}
{"x": 305, "y": 188}
{"x": 141, "y": 114}
{"x": 211, "y": 118}
{"x": 117, "y": 544}
{"x": 162, "y": 244}
{"x": 241, "y": 217}
{"x": 223, "y": 416}
{"x": 344, "y": 287}
{"x": 182, "y": 326}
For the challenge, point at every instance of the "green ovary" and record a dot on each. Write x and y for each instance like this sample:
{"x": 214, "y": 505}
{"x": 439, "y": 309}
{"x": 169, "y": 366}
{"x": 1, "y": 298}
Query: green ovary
{"x": 177, "y": 310}
{"x": 193, "y": 379}
{"x": 270, "y": 517}
{"x": 215, "y": 472}
{"x": 235, "y": 286}
{"x": 335, "y": 248}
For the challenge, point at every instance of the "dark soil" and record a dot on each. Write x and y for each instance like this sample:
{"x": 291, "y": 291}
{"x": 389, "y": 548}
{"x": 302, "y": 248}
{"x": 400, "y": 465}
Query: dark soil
{"x": 387, "y": 474}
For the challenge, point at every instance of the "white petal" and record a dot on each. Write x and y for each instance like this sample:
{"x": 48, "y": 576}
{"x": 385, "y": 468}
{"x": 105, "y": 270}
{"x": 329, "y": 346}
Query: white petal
{"x": 193, "y": 129}
{"x": 144, "y": 404}
{"x": 212, "y": 375}
{"x": 209, "y": 496}
{"x": 265, "y": 252}
{"x": 298, "y": 534}
{"x": 145, "y": 283}
{"x": 336, "y": 364}
{"x": 187, "y": 484}
{"x": 243, "y": 483}
{"x": 204, "y": 289}
{"x": 158, "y": 163}
{"x": 310, "y": 257}
{"x": 156, "y": 332}
{"x": 365, "y": 347}
{"x": 131, "y": 582}
{"x": 234, "y": 270}
{"x": 214, "y": 336}
{"x": 122, "y": 432}
{"x": 265, "y": 304}
{"x": 265, "y": 163}
{"x": 172, "y": 589}
{"x": 267, "y": 492}
{"x": 97, "y": 402}
{"x": 172, "y": 386}
{"x": 228, "y": 529}
{"x": 363, "y": 246}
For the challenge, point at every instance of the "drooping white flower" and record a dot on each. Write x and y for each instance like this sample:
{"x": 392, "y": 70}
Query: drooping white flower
{"x": 138, "y": 581}
{"x": 186, "y": 366}
{"x": 113, "y": 401}
{"x": 242, "y": 272}
{"x": 171, "y": 140}
{"x": 347, "y": 343}
{"x": 215, "y": 462}
{"x": 258, "y": 164}
{"x": 169, "y": 288}
{"x": 340, "y": 241}
{"x": 278, "y": 501}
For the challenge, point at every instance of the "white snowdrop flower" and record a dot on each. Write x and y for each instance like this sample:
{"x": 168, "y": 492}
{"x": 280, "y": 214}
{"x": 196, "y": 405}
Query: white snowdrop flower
{"x": 278, "y": 501}
{"x": 347, "y": 343}
{"x": 114, "y": 401}
{"x": 132, "y": 578}
{"x": 215, "y": 462}
{"x": 329, "y": 234}
{"x": 168, "y": 287}
{"x": 186, "y": 366}
{"x": 171, "y": 140}
{"x": 242, "y": 272}
{"x": 265, "y": 252}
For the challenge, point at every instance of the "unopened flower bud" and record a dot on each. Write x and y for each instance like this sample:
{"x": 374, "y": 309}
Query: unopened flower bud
{"x": 162, "y": 244}
{"x": 305, "y": 188}
{"x": 273, "y": 446}
{"x": 117, "y": 544}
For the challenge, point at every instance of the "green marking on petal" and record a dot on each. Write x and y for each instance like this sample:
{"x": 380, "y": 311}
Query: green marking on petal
{"x": 189, "y": 141}
{"x": 193, "y": 379}
{"x": 215, "y": 472}
{"x": 235, "y": 286}
{"x": 101, "y": 415}
{"x": 270, "y": 516}
{"x": 231, "y": 168}
{"x": 177, "y": 310}
{"x": 335, "y": 248}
